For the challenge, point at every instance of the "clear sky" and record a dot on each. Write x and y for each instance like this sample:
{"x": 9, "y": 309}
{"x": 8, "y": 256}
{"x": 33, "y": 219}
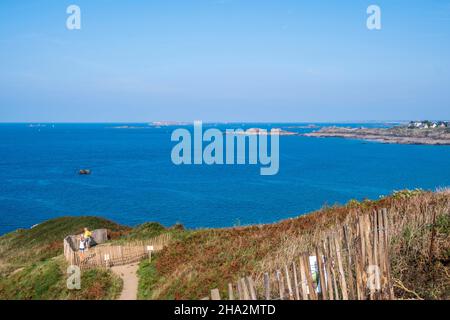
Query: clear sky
{"x": 224, "y": 60}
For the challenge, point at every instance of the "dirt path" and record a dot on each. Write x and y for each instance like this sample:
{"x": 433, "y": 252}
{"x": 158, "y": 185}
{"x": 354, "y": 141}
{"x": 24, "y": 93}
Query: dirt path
{"x": 128, "y": 273}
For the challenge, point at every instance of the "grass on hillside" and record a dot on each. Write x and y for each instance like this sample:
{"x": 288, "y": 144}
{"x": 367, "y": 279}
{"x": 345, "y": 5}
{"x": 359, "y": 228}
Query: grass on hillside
{"x": 46, "y": 280}
{"x": 149, "y": 230}
{"x": 148, "y": 278}
{"x": 211, "y": 258}
{"x": 45, "y": 240}
{"x": 32, "y": 266}
{"x": 419, "y": 273}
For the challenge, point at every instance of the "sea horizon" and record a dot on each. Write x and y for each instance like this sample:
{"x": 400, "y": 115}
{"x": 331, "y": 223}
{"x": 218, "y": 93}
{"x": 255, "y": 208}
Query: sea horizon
{"x": 222, "y": 122}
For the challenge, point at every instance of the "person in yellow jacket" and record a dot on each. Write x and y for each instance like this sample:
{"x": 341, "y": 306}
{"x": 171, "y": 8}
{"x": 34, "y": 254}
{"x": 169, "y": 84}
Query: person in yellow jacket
{"x": 88, "y": 236}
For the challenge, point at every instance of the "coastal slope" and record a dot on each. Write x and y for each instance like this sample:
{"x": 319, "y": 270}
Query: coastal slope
{"x": 32, "y": 265}
{"x": 199, "y": 260}
{"x": 211, "y": 258}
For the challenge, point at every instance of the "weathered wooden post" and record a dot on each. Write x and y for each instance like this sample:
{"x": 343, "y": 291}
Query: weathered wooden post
{"x": 215, "y": 295}
{"x": 251, "y": 286}
{"x": 321, "y": 271}
{"x": 150, "y": 249}
{"x": 297, "y": 292}
{"x": 107, "y": 260}
{"x": 230, "y": 291}
{"x": 267, "y": 286}
{"x": 245, "y": 290}
{"x": 289, "y": 284}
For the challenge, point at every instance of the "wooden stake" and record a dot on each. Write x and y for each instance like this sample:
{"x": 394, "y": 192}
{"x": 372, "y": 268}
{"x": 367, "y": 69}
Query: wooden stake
{"x": 297, "y": 293}
{"x": 280, "y": 284}
{"x": 240, "y": 290}
{"x": 333, "y": 272}
{"x": 230, "y": 292}
{"x": 341, "y": 269}
{"x": 289, "y": 284}
{"x": 328, "y": 272}
{"x": 351, "y": 283}
{"x": 321, "y": 271}
{"x": 387, "y": 242}
{"x": 245, "y": 292}
{"x": 267, "y": 286}
{"x": 381, "y": 257}
{"x": 311, "y": 286}
{"x": 251, "y": 286}
{"x": 304, "y": 281}
{"x": 360, "y": 267}
{"x": 215, "y": 295}
{"x": 369, "y": 250}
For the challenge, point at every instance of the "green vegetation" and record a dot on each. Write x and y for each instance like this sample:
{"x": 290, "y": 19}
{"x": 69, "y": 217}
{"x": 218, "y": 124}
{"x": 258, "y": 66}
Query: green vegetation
{"x": 421, "y": 267}
{"x": 150, "y": 230}
{"x": 443, "y": 224}
{"x": 32, "y": 266}
{"x": 405, "y": 194}
{"x": 148, "y": 279}
{"x": 146, "y": 231}
{"x": 45, "y": 240}
{"x": 46, "y": 280}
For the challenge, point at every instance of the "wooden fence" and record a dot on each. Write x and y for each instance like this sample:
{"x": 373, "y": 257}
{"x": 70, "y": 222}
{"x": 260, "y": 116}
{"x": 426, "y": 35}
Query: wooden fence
{"x": 108, "y": 255}
{"x": 349, "y": 263}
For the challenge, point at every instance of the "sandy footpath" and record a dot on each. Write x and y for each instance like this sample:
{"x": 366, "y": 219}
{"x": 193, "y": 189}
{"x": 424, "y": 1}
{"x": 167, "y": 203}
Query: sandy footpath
{"x": 128, "y": 273}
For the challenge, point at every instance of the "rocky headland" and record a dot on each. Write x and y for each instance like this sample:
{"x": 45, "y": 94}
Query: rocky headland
{"x": 398, "y": 134}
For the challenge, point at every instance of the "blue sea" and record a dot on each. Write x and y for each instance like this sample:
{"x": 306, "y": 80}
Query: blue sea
{"x": 133, "y": 179}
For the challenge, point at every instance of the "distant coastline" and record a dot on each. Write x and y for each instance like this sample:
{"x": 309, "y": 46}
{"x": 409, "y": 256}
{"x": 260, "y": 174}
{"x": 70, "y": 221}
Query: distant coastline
{"x": 415, "y": 133}
{"x": 262, "y": 132}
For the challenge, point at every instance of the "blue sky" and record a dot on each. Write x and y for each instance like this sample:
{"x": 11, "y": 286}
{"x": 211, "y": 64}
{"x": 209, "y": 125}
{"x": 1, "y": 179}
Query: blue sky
{"x": 224, "y": 60}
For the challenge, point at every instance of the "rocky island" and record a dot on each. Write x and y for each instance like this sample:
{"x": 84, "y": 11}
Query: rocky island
{"x": 421, "y": 132}
{"x": 262, "y": 132}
